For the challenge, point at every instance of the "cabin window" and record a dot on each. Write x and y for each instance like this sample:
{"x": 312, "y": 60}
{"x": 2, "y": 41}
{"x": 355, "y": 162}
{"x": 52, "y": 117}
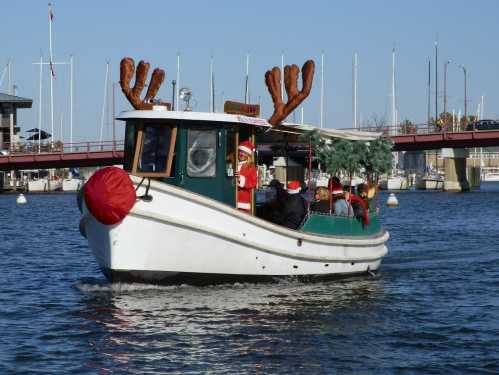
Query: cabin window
{"x": 201, "y": 153}
{"x": 130, "y": 142}
{"x": 154, "y": 150}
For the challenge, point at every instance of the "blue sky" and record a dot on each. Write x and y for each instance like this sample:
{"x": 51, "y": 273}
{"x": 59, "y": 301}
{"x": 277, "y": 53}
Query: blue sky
{"x": 98, "y": 31}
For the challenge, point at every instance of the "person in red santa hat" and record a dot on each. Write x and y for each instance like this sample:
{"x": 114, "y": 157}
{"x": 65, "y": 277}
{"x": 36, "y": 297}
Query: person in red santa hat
{"x": 246, "y": 176}
{"x": 294, "y": 207}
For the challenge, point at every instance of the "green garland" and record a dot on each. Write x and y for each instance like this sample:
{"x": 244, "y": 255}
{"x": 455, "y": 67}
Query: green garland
{"x": 372, "y": 158}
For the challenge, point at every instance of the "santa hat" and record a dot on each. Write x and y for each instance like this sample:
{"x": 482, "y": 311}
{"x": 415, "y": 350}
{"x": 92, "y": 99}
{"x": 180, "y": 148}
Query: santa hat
{"x": 246, "y": 147}
{"x": 337, "y": 191}
{"x": 294, "y": 187}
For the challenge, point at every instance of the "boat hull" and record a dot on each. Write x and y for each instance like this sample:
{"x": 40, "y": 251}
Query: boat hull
{"x": 184, "y": 237}
{"x": 394, "y": 183}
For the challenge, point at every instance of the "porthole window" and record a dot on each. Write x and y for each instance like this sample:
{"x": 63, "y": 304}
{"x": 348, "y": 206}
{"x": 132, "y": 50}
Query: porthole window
{"x": 201, "y": 153}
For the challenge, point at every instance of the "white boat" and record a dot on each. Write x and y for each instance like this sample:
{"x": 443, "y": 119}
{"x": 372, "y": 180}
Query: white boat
{"x": 44, "y": 185}
{"x": 177, "y": 222}
{"x": 71, "y": 184}
{"x": 490, "y": 174}
{"x": 429, "y": 182}
{"x": 394, "y": 183}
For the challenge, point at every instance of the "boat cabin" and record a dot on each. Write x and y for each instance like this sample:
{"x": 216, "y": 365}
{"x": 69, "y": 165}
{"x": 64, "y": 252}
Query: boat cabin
{"x": 192, "y": 150}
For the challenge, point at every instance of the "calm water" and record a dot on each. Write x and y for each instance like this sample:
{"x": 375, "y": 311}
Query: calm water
{"x": 434, "y": 308}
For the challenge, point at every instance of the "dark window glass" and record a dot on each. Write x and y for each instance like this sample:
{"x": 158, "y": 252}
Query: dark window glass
{"x": 130, "y": 141}
{"x": 230, "y": 154}
{"x": 201, "y": 153}
{"x": 155, "y": 148}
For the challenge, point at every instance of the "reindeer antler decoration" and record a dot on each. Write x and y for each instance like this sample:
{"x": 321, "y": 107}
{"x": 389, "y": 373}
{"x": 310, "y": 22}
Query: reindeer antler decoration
{"x": 295, "y": 97}
{"x": 127, "y": 68}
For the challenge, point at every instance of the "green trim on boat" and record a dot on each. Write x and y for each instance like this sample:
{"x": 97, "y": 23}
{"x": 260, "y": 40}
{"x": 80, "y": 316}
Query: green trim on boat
{"x": 341, "y": 226}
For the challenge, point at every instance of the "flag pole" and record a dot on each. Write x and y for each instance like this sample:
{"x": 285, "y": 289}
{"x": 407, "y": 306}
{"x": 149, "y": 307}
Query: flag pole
{"x": 51, "y": 75}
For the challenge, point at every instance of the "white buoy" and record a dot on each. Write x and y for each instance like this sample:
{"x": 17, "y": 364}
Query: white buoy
{"x": 392, "y": 201}
{"x": 21, "y": 199}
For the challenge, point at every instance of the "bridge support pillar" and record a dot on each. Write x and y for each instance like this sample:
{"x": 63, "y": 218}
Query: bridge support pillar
{"x": 455, "y": 169}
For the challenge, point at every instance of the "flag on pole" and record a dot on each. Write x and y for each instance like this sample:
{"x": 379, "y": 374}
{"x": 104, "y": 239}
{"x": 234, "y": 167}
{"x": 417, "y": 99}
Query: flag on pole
{"x": 52, "y": 69}
{"x": 51, "y": 14}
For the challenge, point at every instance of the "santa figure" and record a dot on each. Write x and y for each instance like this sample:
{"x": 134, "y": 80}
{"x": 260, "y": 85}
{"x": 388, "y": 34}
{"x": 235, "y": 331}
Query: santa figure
{"x": 246, "y": 176}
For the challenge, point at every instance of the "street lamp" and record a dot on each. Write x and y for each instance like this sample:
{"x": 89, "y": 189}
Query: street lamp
{"x": 445, "y": 85}
{"x": 465, "y": 97}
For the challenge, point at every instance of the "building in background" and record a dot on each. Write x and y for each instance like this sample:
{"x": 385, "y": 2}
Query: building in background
{"x": 8, "y": 106}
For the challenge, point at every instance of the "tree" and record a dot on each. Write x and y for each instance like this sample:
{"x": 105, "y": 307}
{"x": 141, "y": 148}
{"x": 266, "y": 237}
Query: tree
{"x": 351, "y": 157}
{"x": 378, "y": 158}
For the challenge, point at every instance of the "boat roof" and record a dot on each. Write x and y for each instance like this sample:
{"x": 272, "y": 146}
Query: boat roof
{"x": 193, "y": 116}
{"x": 350, "y": 134}
{"x": 354, "y": 135}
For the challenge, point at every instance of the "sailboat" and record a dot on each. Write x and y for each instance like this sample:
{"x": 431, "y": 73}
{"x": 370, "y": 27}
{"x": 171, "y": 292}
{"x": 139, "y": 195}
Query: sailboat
{"x": 396, "y": 180}
{"x": 169, "y": 216}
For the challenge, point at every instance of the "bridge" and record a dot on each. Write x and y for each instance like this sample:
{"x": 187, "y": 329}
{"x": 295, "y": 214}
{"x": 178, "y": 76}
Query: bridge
{"x": 423, "y": 137}
{"x": 24, "y": 156}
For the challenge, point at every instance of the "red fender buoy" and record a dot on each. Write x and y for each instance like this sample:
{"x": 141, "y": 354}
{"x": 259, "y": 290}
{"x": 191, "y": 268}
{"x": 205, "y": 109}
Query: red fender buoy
{"x": 109, "y": 195}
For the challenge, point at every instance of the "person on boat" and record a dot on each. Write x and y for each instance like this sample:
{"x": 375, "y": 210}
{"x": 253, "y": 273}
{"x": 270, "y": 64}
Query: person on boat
{"x": 275, "y": 204}
{"x": 342, "y": 205}
{"x": 335, "y": 184}
{"x": 360, "y": 205}
{"x": 246, "y": 176}
{"x": 321, "y": 202}
{"x": 294, "y": 208}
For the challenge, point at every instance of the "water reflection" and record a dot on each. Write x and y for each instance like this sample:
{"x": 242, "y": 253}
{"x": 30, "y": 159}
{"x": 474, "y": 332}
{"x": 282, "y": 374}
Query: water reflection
{"x": 189, "y": 328}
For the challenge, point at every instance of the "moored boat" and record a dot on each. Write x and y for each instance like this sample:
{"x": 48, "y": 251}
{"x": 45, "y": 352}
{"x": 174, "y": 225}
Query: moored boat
{"x": 170, "y": 216}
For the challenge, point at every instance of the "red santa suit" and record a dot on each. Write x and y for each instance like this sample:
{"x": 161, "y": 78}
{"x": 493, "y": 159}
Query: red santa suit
{"x": 247, "y": 182}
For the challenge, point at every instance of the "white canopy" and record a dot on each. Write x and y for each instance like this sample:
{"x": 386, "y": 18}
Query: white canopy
{"x": 351, "y": 134}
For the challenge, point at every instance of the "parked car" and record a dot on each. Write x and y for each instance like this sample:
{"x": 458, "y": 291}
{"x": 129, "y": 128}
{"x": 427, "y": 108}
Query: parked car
{"x": 483, "y": 125}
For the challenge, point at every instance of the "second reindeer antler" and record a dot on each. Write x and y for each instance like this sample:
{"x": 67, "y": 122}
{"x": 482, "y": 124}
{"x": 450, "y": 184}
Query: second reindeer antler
{"x": 127, "y": 68}
{"x": 295, "y": 97}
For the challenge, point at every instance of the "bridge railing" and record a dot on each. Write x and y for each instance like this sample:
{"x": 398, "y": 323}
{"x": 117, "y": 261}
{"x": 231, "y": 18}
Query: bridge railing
{"x": 58, "y": 147}
{"x": 412, "y": 129}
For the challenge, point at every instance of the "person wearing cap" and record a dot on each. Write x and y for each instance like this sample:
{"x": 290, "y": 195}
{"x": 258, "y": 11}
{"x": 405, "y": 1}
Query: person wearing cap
{"x": 294, "y": 207}
{"x": 246, "y": 176}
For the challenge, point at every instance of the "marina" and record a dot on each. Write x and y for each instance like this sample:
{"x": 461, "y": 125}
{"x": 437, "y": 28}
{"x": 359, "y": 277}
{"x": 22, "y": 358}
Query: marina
{"x": 249, "y": 188}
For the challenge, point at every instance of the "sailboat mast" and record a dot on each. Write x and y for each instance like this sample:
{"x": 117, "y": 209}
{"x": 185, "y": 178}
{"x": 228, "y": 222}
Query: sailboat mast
{"x": 40, "y": 103}
{"x": 246, "y": 90}
{"x": 429, "y": 93}
{"x": 355, "y": 91}
{"x": 394, "y": 110}
{"x": 212, "y": 87}
{"x": 322, "y": 89}
{"x": 71, "y": 101}
{"x": 177, "y": 86}
{"x": 436, "y": 81}
{"x": 481, "y": 108}
{"x": 104, "y": 103}
{"x": 282, "y": 76}
{"x": 9, "y": 77}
